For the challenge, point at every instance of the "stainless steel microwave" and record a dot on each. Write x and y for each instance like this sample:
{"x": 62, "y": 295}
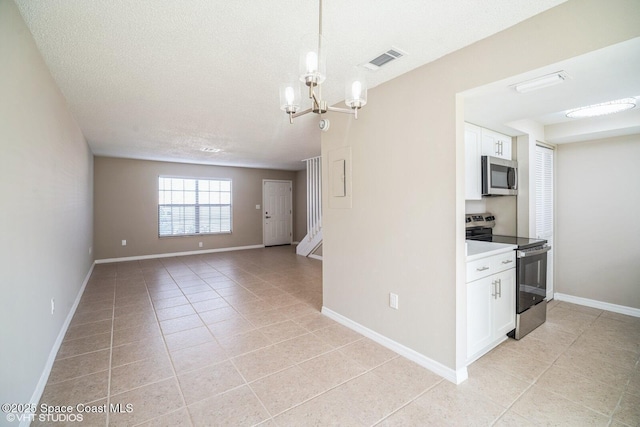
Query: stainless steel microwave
{"x": 499, "y": 177}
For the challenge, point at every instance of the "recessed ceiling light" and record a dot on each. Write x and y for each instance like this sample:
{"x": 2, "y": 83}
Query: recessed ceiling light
{"x": 211, "y": 150}
{"x": 540, "y": 82}
{"x": 603, "y": 109}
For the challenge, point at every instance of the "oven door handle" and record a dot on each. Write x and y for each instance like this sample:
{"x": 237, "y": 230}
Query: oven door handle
{"x": 525, "y": 254}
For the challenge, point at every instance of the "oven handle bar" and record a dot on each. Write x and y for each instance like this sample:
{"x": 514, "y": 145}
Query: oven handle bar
{"x": 525, "y": 254}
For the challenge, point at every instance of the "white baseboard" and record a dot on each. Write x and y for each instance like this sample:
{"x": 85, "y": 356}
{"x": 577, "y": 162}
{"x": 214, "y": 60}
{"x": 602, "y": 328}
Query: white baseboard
{"x": 454, "y": 376}
{"x": 629, "y": 311}
{"x": 44, "y": 377}
{"x": 314, "y": 256}
{"x": 174, "y": 254}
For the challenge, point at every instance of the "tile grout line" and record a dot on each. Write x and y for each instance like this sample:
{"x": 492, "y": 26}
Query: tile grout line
{"x": 330, "y": 388}
{"x": 247, "y": 383}
{"x": 411, "y": 401}
{"x": 113, "y": 321}
{"x": 624, "y": 391}
{"x": 167, "y": 352}
{"x": 535, "y": 382}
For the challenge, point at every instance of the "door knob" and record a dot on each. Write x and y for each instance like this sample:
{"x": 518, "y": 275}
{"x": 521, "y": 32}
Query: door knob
{"x": 267, "y": 216}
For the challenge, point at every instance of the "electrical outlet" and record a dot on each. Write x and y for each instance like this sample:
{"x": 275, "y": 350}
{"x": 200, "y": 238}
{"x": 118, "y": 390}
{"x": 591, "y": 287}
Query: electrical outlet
{"x": 200, "y": 244}
{"x": 53, "y": 305}
{"x": 393, "y": 301}
{"x": 124, "y": 243}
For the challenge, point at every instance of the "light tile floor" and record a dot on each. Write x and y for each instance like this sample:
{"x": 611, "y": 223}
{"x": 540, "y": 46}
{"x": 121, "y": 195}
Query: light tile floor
{"x": 237, "y": 339}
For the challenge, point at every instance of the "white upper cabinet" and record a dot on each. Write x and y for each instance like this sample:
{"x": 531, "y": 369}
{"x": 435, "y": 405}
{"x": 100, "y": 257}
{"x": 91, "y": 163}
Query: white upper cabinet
{"x": 496, "y": 144}
{"x": 481, "y": 142}
{"x": 472, "y": 150}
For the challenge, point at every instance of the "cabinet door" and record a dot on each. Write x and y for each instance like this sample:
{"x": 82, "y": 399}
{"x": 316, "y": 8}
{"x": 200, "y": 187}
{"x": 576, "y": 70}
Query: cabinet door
{"x": 496, "y": 144}
{"x": 504, "y": 306}
{"x": 472, "y": 148}
{"x": 479, "y": 307}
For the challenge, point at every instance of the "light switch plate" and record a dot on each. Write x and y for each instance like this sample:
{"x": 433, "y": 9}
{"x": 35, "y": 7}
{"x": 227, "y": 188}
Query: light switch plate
{"x": 393, "y": 301}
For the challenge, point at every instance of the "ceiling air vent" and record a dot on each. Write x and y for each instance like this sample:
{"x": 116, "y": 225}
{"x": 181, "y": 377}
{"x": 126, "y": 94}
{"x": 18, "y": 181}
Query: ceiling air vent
{"x": 390, "y": 55}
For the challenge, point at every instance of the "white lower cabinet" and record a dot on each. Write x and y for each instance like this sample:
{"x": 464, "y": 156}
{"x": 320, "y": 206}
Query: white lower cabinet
{"x": 491, "y": 303}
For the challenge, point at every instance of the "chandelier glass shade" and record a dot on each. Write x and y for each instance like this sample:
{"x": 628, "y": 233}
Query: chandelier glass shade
{"x": 313, "y": 60}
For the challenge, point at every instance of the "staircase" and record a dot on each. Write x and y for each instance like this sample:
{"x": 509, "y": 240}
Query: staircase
{"x": 313, "y": 239}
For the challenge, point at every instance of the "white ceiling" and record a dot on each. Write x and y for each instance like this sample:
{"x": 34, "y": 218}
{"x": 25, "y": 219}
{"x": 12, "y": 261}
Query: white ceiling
{"x": 159, "y": 80}
{"x": 599, "y": 76}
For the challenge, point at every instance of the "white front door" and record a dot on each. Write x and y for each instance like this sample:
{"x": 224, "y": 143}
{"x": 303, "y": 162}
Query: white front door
{"x": 277, "y": 212}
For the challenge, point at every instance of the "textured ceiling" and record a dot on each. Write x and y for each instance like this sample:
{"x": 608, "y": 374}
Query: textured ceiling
{"x": 159, "y": 79}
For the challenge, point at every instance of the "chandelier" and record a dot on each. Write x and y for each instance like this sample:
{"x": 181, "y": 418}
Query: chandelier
{"x": 313, "y": 73}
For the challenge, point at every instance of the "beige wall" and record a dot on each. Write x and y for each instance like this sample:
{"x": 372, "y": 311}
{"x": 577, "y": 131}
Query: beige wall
{"x": 126, "y": 207}
{"x": 405, "y": 230}
{"x": 46, "y": 210}
{"x": 597, "y": 227}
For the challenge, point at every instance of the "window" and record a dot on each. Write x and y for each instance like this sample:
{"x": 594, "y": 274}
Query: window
{"x": 188, "y": 206}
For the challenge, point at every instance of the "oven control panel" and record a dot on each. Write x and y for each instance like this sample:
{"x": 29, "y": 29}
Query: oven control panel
{"x": 480, "y": 220}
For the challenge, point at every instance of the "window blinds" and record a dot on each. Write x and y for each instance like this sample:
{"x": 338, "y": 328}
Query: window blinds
{"x": 544, "y": 192}
{"x": 188, "y": 206}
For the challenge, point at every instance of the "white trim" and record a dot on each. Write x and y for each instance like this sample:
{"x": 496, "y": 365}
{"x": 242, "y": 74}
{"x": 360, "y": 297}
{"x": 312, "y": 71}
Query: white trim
{"x": 629, "y": 311}
{"x": 173, "y": 254}
{"x": 454, "y": 376}
{"x": 314, "y": 256}
{"x": 44, "y": 377}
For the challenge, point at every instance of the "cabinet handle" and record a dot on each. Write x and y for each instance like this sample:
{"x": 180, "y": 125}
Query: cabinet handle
{"x": 507, "y": 261}
{"x": 494, "y": 293}
{"x": 499, "y": 289}
{"x": 482, "y": 268}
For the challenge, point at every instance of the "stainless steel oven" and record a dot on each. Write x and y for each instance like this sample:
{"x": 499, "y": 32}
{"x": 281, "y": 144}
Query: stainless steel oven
{"x": 531, "y": 272}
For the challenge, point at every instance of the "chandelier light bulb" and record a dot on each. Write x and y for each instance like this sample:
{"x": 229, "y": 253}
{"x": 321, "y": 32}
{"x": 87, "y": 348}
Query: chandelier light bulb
{"x": 356, "y": 90}
{"x": 312, "y": 62}
{"x": 289, "y": 95}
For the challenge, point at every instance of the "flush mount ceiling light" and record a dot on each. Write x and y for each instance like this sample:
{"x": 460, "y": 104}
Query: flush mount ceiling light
{"x": 211, "y": 150}
{"x": 312, "y": 73}
{"x": 541, "y": 82}
{"x": 603, "y": 109}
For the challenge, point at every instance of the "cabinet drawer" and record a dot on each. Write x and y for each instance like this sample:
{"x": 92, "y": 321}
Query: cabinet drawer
{"x": 490, "y": 265}
{"x": 503, "y": 262}
{"x": 479, "y": 268}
